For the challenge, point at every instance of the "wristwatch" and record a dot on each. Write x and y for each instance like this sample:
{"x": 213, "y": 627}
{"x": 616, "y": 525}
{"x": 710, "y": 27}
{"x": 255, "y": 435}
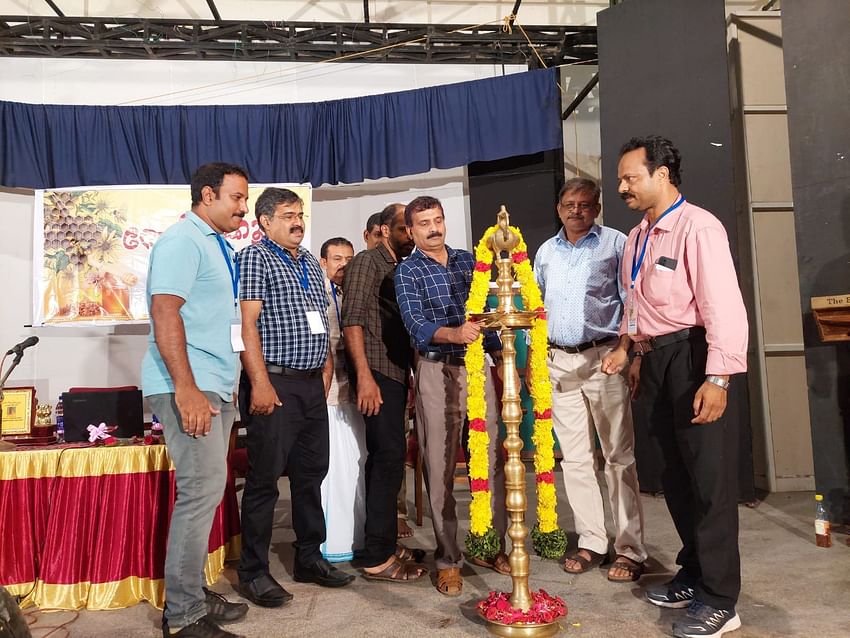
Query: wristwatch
{"x": 719, "y": 381}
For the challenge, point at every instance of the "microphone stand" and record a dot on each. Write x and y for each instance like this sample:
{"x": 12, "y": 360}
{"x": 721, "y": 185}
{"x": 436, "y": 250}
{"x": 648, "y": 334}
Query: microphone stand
{"x": 15, "y": 362}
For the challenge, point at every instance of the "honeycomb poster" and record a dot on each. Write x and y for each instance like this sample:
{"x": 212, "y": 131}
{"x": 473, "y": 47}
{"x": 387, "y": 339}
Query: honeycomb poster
{"x": 91, "y": 248}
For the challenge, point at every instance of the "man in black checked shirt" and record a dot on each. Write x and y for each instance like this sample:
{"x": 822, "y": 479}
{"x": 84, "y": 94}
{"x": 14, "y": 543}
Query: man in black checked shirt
{"x": 287, "y": 372}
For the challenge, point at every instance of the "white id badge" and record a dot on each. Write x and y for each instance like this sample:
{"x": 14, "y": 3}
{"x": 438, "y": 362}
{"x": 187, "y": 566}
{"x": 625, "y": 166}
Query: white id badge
{"x": 314, "y": 319}
{"x": 236, "y": 335}
{"x": 631, "y": 314}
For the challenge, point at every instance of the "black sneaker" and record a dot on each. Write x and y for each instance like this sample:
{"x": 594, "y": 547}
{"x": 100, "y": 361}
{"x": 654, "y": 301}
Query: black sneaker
{"x": 704, "y": 621}
{"x": 220, "y": 610}
{"x": 673, "y": 594}
{"x": 201, "y": 628}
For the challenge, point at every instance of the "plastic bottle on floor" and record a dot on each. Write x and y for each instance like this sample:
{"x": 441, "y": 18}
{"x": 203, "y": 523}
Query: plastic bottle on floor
{"x": 823, "y": 538}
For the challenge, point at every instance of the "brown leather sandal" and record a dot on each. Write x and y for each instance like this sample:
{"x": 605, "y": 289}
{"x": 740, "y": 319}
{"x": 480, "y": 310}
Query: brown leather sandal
{"x": 449, "y": 581}
{"x": 407, "y": 554}
{"x": 584, "y": 563}
{"x": 634, "y": 570}
{"x": 499, "y": 563}
{"x": 398, "y": 571}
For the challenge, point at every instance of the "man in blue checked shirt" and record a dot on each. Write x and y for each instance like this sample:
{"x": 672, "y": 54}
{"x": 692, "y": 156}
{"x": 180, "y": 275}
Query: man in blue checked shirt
{"x": 577, "y": 271}
{"x": 287, "y": 372}
{"x": 431, "y": 287}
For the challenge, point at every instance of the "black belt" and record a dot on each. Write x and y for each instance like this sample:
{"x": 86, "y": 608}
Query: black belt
{"x": 662, "y": 341}
{"x": 587, "y": 345}
{"x": 293, "y": 372}
{"x": 448, "y": 359}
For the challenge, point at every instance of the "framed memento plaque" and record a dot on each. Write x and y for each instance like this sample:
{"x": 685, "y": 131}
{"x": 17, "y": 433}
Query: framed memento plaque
{"x": 18, "y": 411}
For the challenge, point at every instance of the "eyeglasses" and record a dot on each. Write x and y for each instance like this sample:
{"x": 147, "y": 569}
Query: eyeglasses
{"x": 584, "y": 207}
{"x": 288, "y": 217}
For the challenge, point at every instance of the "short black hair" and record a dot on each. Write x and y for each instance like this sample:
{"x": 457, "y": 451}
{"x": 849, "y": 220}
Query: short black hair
{"x": 581, "y": 185}
{"x": 271, "y": 198}
{"x": 418, "y": 205}
{"x": 212, "y": 175}
{"x": 659, "y": 152}
{"x": 334, "y": 241}
{"x": 374, "y": 220}
{"x": 389, "y": 213}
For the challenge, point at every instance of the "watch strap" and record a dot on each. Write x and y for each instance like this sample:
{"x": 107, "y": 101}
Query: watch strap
{"x": 718, "y": 381}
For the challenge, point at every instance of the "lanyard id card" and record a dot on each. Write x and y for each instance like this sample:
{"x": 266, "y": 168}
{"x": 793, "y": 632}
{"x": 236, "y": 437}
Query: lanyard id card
{"x": 314, "y": 320}
{"x": 236, "y": 335}
{"x": 631, "y": 314}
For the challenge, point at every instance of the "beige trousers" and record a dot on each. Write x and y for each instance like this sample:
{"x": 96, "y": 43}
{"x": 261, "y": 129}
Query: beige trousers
{"x": 587, "y": 402}
{"x": 440, "y": 413}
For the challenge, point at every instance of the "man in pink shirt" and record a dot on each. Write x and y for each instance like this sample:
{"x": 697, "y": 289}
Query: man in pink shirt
{"x": 685, "y": 321}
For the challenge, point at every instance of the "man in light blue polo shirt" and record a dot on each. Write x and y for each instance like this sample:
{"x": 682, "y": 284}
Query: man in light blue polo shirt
{"x": 577, "y": 271}
{"x": 189, "y": 375}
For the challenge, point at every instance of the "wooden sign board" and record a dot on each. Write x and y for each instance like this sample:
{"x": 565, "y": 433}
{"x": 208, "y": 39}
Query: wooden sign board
{"x": 832, "y": 315}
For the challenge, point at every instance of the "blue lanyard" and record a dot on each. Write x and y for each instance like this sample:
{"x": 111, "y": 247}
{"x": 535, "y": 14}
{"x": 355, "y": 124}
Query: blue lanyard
{"x": 305, "y": 282}
{"x": 336, "y": 305}
{"x": 637, "y": 262}
{"x": 232, "y": 265}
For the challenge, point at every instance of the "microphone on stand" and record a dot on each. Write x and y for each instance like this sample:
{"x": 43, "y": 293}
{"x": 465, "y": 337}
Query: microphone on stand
{"x": 23, "y": 345}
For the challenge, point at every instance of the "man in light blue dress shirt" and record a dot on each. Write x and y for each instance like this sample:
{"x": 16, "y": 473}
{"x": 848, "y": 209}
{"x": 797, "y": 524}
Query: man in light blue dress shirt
{"x": 577, "y": 271}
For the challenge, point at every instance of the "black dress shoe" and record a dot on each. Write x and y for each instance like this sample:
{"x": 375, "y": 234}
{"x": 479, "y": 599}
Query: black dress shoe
{"x": 220, "y": 610}
{"x": 322, "y": 573}
{"x": 264, "y": 591}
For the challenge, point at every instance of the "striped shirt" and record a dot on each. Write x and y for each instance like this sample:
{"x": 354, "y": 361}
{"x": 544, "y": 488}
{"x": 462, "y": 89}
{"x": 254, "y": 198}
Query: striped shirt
{"x": 370, "y": 302}
{"x": 580, "y": 285}
{"x": 270, "y": 277}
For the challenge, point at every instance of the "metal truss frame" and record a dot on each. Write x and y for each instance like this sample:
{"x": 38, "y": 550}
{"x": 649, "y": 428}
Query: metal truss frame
{"x": 161, "y": 39}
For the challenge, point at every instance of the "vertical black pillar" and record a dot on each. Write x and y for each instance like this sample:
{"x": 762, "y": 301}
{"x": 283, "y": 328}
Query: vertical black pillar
{"x": 817, "y": 86}
{"x": 663, "y": 70}
{"x": 528, "y": 187}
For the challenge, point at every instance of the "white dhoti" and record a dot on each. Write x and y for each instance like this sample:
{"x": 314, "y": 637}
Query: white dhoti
{"x": 343, "y": 490}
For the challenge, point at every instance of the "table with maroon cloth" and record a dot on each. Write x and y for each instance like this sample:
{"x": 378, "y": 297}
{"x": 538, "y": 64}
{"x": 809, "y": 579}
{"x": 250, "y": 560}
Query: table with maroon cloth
{"x": 86, "y": 527}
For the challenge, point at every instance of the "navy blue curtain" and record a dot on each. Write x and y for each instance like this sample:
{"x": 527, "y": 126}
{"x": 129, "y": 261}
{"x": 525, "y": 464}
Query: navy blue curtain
{"x": 51, "y": 146}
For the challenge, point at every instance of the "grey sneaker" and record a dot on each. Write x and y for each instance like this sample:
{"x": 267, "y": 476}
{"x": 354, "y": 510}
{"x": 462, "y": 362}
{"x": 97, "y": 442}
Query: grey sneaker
{"x": 672, "y": 594}
{"x": 704, "y": 621}
{"x": 222, "y": 611}
{"x": 202, "y": 628}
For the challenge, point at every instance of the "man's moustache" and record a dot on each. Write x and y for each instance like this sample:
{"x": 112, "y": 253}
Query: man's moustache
{"x": 433, "y": 235}
{"x": 295, "y": 229}
{"x": 625, "y": 196}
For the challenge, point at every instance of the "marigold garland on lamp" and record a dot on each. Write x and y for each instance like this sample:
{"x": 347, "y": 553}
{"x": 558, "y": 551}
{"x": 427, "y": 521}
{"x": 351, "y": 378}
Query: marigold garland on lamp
{"x": 524, "y": 613}
{"x": 548, "y": 539}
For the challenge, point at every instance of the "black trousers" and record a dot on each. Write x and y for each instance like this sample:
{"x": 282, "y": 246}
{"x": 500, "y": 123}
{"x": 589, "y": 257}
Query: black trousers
{"x": 293, "y": 438}
{"x": 385, "y": 446}
{"x": 699, "y": 473}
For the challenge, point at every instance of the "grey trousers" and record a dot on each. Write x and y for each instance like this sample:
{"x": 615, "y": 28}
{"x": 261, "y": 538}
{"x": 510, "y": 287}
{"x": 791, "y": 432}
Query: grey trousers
{"x": 200, "y": 473}
{"x": 440, "y": 415}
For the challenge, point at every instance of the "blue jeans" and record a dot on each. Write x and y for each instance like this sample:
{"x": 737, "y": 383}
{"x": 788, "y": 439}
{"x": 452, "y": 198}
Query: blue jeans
{"x": 200, "y": 474}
